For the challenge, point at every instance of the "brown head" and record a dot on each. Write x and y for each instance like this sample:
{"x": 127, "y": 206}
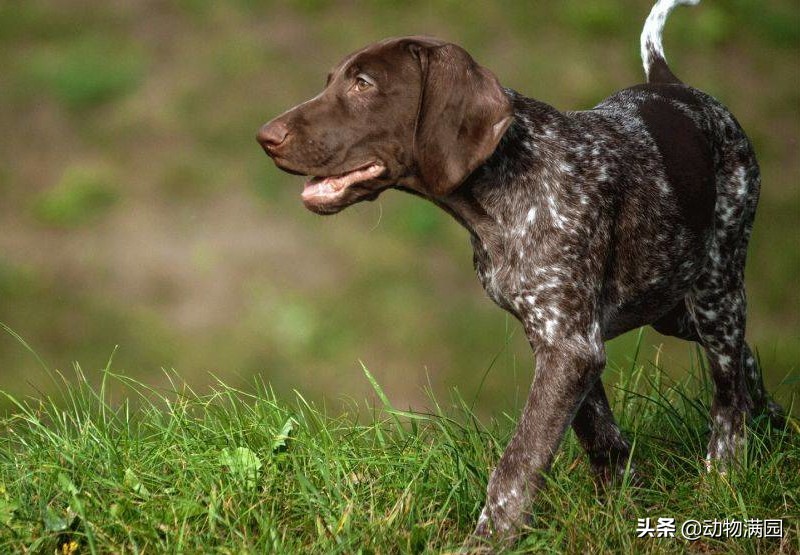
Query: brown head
{"x": 410, "y": 112}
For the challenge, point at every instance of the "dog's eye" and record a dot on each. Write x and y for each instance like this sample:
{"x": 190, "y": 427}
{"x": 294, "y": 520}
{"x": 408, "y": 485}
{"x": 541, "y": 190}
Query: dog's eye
{"x": 363, "y": 82}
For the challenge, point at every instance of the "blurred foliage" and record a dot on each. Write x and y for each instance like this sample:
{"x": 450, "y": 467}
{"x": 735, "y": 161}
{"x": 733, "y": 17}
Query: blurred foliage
{"x": 86, "y": 72}
{"x": 593, "y": 19}
{"x": 81, "y": 196}
{"x": 138, "y": 210}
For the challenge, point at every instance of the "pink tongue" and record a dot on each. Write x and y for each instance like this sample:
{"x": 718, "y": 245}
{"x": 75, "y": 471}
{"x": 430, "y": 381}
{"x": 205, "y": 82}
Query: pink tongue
{"x": 332, "y": 186}
{"x": 318, "y": 187}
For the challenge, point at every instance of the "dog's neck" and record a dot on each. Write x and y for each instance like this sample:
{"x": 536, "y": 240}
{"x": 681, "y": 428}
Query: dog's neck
{"x": 498, "y": 195}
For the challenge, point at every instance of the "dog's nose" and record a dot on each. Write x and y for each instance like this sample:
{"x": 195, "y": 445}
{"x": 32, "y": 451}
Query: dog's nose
{"x": 272, "y": 134}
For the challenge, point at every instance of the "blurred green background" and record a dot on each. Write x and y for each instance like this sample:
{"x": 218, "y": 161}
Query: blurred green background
{"x": 137, "y": 209}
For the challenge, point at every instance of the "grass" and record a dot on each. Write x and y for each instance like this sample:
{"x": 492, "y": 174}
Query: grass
{"x": 121, "y": 467}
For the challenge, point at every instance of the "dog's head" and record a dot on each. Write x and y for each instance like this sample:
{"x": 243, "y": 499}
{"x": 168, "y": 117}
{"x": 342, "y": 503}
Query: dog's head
{"x": 412, "y": 112}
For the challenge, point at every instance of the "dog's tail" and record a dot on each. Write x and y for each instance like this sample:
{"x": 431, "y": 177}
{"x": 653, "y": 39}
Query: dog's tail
{"x": 655, "y": 64}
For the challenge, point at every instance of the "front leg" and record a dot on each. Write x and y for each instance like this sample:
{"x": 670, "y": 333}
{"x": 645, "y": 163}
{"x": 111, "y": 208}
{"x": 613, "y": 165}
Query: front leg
{"x": 567, "y": 366}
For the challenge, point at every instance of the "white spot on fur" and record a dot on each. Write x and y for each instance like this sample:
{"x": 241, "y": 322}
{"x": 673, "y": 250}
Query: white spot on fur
{"x": 558, "y": 219}
{"x": 550, "y": 327}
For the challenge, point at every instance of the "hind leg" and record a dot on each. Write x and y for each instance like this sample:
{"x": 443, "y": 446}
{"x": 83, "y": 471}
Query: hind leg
{"x": 719, "y": 314}
{"x": 714, "y": 317}
{"x": 717, "y": 303}
{"x": 762, "y": 403}
{"x": 679, "y": 323}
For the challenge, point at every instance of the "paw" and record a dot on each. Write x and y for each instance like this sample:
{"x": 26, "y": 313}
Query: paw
{"x": 726, "y": 446}
{"x": 608, "y": 467}
{"x": 483, "y": 528}
{"x": 765, "y": 409}
{"x": 608, "y": 475}
{"x": 481, "y": 539}
{"x": 774, "y": 413}
{"x": 721, "y": 455}
{"x": 499, "y": 523}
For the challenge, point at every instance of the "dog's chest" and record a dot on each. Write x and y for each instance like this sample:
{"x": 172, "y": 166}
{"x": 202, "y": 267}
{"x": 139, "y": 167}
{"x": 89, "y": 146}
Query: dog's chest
{"x": 489, "y": 274}
{"x": 502, "y": 274}
{"x": 494, "y": 285}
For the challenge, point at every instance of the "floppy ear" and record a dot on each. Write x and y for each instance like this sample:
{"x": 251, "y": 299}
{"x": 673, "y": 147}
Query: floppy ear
{"x": 463, "y": 114}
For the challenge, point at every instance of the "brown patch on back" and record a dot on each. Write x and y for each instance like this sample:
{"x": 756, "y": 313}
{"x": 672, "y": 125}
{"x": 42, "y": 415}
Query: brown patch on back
{"x": 687, "y": 159}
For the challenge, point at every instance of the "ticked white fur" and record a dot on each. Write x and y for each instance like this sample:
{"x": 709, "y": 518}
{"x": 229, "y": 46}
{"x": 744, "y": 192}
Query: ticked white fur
{"x": 654, "y": 27}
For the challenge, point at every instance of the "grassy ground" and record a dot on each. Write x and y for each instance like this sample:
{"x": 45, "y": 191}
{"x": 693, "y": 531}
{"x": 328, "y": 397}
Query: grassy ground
{"x": 245, "y": 472}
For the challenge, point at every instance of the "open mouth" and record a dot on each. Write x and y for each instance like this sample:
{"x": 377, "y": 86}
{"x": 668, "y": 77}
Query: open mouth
{"x": 330, "y": 187}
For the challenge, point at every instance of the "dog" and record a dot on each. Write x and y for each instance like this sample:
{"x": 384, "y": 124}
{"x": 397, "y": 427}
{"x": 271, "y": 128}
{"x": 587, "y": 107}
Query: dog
{"x": 584, "y": 225}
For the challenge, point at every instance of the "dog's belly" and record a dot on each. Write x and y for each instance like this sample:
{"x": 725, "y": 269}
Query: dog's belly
{"x": 649, "y": 277}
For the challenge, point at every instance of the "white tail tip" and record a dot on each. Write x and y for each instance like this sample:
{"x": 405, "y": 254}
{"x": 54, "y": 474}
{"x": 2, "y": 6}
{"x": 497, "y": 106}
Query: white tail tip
{"x": 652, "y": 48}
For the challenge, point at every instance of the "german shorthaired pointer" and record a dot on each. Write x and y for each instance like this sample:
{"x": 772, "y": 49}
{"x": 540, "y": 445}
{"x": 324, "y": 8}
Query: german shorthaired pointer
{"x": 584, "y": 225}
